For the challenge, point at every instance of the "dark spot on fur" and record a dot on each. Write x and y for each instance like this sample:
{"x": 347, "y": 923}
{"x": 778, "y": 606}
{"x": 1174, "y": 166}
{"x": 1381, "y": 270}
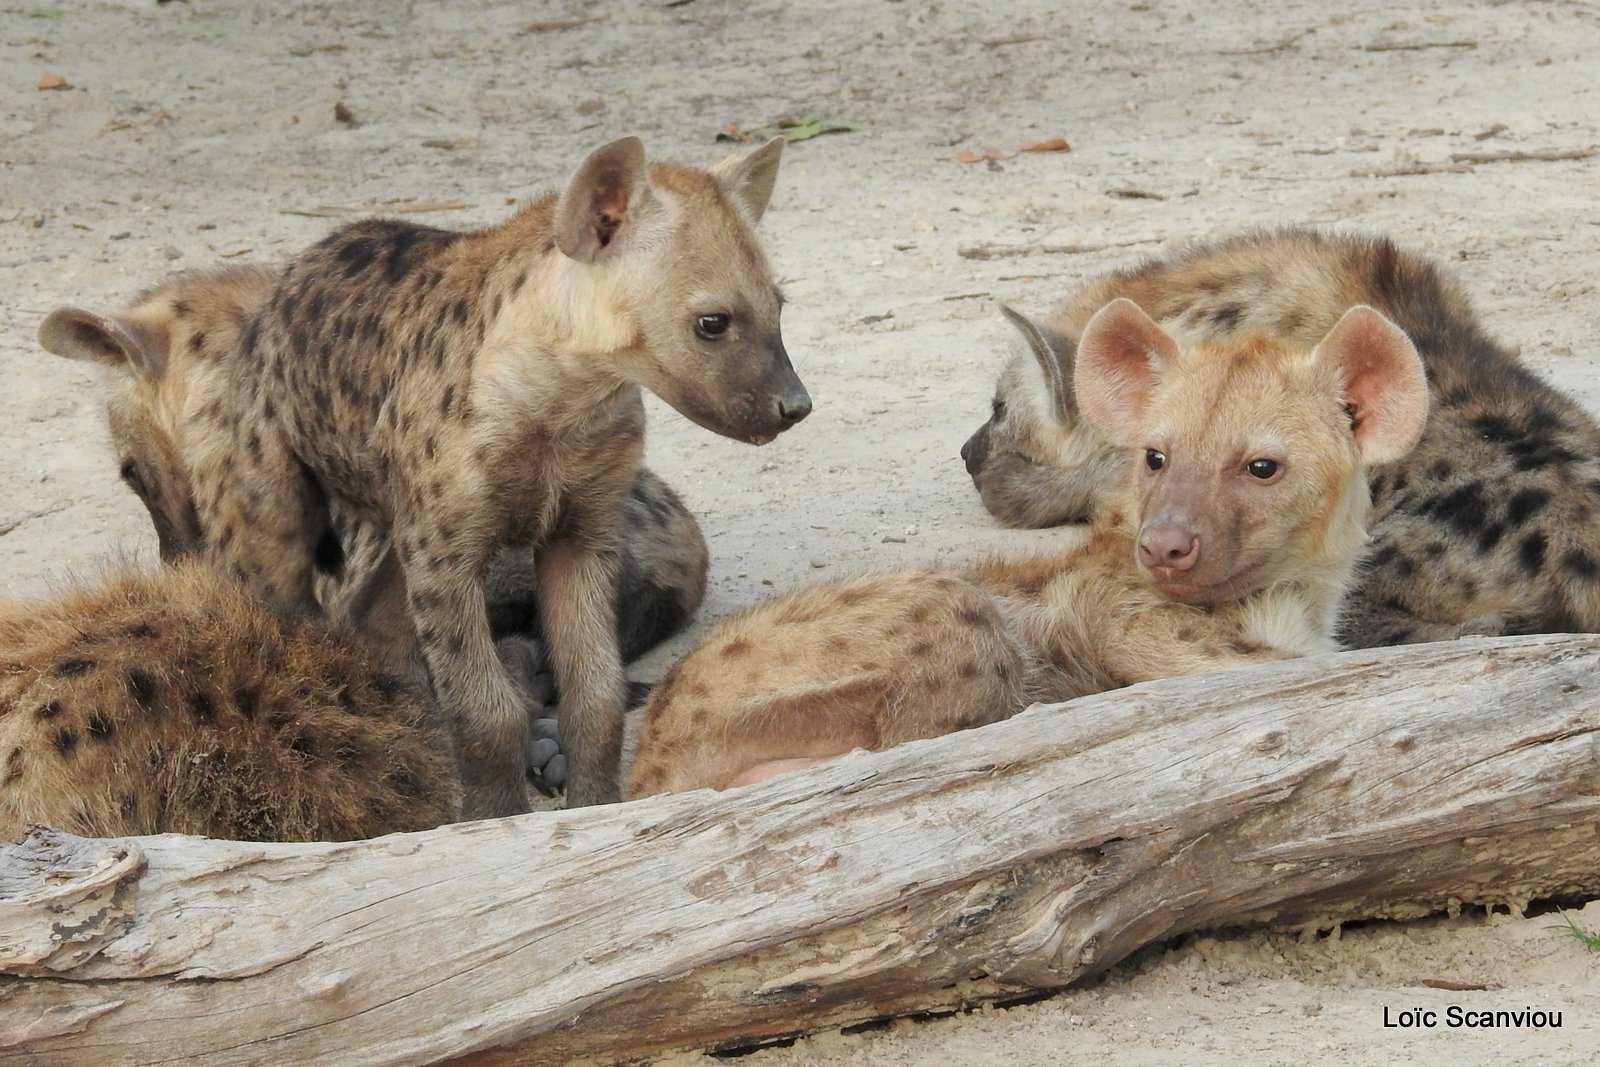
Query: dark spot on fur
{"x": 461, "y": 312}
{"x": 143, "y": 690}
{"x": 357, "y": 256}
{"x": 1463, "y": 509}
{"x": 100, "y": 727}
{"x": 49, "y": 710}
{"x": 13, "y": 766}
{"x": 1495, "y": 429}
{"x": 141, "y": 631}
{"x": 1433, "y": 549}
{"x": 72, "y": 668}
{"x": 66, "y": 742}
{"x": 202, "y": 708}
{"x": 1531, "y": 552}
{"x": 1525, "y": 504}
{"x": 1490, "y": 536}
{"x": 406, "y": 782}
{"x": 970, "y": 669}
{"x": 1227, "y": 316}
{"x": 1440, "y": 471}
{"x": 1579, "y": 564}
{"x": 303, "y": 744}
{"x": 972, "y": 617}
{"x": 921, "y": 649}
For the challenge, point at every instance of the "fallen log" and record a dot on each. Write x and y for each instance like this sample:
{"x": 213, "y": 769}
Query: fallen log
{"x": 1023, "y": 856}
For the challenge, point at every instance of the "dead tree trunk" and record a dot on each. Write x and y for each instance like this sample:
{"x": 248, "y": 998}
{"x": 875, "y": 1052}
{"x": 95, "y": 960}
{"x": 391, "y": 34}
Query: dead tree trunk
{"x": 1018, "y": 857}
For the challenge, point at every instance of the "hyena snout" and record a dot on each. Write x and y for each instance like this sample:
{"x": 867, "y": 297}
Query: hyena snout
{"x": 775, "y": 401}
{"x": 975, "y": 453}
{"x": 1168, "y": 548}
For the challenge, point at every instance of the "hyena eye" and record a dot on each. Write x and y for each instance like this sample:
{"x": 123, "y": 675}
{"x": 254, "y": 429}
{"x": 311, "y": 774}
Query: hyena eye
{"x": 711, "y": 327}
{"x": 1263, "y": 469}
{"x": 130, "y": 474}
{"x": 1154, "y": 460}
{"x": 997, "y": 409}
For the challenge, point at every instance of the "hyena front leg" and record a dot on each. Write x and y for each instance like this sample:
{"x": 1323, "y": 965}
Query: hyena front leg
{"x": 577, "y": 582}
{"x": 485, "y": 707}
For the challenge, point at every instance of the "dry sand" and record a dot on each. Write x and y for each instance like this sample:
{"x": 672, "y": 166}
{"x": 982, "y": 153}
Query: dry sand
{"x": 194, "y": 133}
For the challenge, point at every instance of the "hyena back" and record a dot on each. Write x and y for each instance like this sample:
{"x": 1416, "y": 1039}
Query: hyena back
{"x": 171, "y": 701}
{"x": 1490, "y": 525}
{"x": 464, "y": 390}
{"x": 1227, "y": 542}
{"x": 169, "y": 349}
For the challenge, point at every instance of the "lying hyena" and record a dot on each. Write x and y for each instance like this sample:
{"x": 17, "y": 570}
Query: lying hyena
{"x": 169, "y": 346}
{"x": 1491, "y": 525}
{"x": 1230, "y": 542}
{"x": 172, "y": 701}
{"x": 467, "y": 390}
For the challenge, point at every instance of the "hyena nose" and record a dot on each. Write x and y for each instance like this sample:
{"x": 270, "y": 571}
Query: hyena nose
{"x": 1167, "y": 544}
{"x": 794, "y": 406}
{"x": 976, "y": 450}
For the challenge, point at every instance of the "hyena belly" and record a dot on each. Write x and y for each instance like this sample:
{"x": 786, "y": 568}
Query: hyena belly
{"x": 170, "y": 701}
{"x": 1491, "y": 525}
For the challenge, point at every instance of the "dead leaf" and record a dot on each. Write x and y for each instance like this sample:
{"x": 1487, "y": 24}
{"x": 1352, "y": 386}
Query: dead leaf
{"x": 990, "y": 152}
{"x": 343, "y": 114}
{"x": 1053, "y": 144}
{"x": 790, "y": 130}
{"x": 53, "y": 81}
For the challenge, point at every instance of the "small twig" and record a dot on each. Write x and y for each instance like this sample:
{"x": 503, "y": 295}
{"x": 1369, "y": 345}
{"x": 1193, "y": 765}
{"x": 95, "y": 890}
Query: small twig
{"x": 1445, "y": 983}
{"x": 1010, "y": 251}
{"x": 1515, "y": 156}
{"x": 965, "y": 296}
{"x": 7, "y": 525}
{"x": 1285, "y": 45}
{"x": 1134, "y": 194}
{"x": 1420, "y": 168}
{"x": 1002, "y": 42}
{"x": 1419, "y": 46}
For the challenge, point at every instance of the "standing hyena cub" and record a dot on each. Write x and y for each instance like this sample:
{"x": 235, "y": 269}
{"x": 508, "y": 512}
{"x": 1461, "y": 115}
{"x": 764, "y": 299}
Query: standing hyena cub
{"x": 170, "y": 346}
{"x": 1229, "y": 542}
{"x": 464, "y": 390}
{"x": 1491, "y": 525}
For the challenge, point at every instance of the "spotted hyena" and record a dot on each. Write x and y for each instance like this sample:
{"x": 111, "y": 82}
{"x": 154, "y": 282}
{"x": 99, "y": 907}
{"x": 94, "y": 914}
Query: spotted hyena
{"x": 169, "y": 700}
{"x": 468, "y": 390}
{"x": 168, "y": 351}
{"x": 1490, "y": 526}
{"x": 1228, "y": 541}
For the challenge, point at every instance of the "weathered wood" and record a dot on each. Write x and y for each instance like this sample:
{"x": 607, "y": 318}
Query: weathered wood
{"x": 1018, "y": 857}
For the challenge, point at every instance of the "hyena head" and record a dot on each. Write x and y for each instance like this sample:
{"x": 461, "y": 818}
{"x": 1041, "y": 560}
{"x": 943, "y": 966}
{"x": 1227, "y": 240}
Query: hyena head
{"x": 1247, "y": 455}
{"x": 165, "y": 348}
{"x": 676, "y": 250}
{"x": 1036, "y": 462}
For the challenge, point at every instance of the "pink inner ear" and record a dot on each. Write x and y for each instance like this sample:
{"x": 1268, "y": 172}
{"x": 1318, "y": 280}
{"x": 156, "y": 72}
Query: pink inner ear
{"x": 1384, "y": 383}
{"x": 1118, "y": 355}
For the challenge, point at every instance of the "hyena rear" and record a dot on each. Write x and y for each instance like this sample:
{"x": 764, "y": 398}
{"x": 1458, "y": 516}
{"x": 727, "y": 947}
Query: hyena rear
{"x": 1490, "y": 526}
{"x": 1229, "y": 541}
{"x": 169, "y": 349}
{"x": 171, "y": 701}
{"x": 465, "y": 390}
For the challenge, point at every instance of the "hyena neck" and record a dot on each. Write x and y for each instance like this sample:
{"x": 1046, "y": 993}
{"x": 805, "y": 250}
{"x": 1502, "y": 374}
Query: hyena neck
{"x": 560, "y": 333}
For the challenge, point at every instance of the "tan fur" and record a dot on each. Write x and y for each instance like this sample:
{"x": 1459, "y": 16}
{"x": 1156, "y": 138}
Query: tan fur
{"x": 1490, "y": 525}
{"x": 875, "y": 661}
{"x": 170, "y": 701}
{"x": 167, "y": 350}
{"x": 466, "y": 390}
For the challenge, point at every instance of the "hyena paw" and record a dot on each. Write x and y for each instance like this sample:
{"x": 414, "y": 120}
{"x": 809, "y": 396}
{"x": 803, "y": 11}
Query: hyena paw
{"x": 547, "y": 764}
{"x": 529, "y": 666}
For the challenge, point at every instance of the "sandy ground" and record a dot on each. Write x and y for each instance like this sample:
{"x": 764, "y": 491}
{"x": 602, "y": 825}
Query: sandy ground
{"x": 193, "y": 133}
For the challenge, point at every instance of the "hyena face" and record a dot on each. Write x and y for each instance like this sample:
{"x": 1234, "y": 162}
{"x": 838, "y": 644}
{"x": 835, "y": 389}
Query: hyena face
{"x": 1247, "y": 454}
{"x": 1035, "y": 462}
{"x": 689, "y": 274}
{"x": 167, "y": 344}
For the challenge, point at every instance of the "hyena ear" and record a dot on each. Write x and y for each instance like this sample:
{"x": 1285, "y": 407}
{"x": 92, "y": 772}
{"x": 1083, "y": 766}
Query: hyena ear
{"x": 1385, "y": 386}
{"x": 1055, "y": 355}
{"x": 1121, "y": 353}
{"x": 749, "y": 178}
{"x": 73, "y": 333}
{"x": 610, "y": 191}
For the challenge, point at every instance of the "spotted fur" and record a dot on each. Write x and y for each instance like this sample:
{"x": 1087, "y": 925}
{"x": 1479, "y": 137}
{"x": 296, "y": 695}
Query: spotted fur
{"x": 1490, "y": 526}
{"x": 871, "y": 662}
{"x": 462, "y": 391}
{"x": 171, "y": 701}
